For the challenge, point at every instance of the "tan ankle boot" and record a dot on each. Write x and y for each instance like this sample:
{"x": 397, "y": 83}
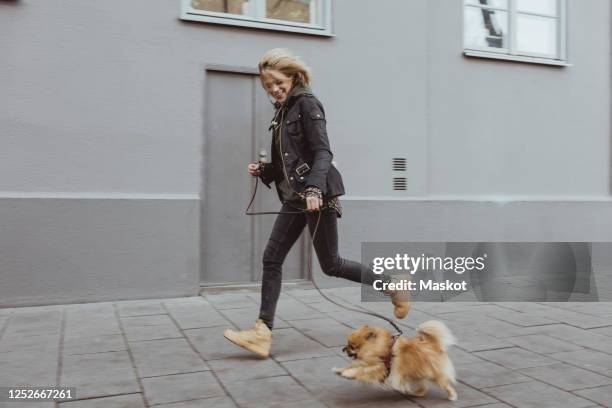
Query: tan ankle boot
{"x": 257, "y": 340}
{"x": 401, "y": 308}
{"x": 400, "y": 300}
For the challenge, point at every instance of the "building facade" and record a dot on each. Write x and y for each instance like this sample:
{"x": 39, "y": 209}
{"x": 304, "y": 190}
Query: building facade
{"x": 127, "y": 127}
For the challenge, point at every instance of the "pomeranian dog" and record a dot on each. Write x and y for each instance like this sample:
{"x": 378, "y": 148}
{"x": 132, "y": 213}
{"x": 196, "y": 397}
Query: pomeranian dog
{"x": 400, "y": 363}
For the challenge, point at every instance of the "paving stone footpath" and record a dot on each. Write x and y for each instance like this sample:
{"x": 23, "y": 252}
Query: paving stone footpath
{"x": 170, "y": 353}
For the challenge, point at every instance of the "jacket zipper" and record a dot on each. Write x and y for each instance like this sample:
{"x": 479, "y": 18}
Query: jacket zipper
{"x": 280, "y": 145}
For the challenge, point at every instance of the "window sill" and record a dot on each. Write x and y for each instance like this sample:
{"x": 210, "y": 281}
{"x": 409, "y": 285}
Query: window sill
{"x": 516, "y": 58}
{"x": 256, "y": 24}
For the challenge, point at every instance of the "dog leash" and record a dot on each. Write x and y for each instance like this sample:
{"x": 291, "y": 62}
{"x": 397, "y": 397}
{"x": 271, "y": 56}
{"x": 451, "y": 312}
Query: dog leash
{"x": 312, "y": 237}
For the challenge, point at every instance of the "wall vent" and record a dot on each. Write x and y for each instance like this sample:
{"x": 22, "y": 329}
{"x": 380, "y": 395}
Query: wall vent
{"x": 399, "y": 183}
{"x": 399, "y": 164}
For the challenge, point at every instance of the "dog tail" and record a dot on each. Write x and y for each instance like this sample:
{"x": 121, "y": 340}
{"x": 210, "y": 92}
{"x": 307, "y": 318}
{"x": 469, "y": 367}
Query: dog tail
{"x": 439, "y": 332}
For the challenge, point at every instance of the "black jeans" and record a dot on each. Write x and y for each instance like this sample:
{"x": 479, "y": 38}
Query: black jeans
{"x": 287, "y": 229}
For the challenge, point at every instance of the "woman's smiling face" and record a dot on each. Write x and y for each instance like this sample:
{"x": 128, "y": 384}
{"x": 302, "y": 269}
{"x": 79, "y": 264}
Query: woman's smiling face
{"x": 276, "y": 84}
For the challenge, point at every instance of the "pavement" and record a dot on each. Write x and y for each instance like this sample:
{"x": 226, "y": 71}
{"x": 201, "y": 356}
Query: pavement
{"x": 170, "y": 353}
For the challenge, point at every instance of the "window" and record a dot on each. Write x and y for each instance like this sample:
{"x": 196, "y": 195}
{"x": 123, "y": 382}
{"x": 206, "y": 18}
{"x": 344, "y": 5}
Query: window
{"x": 527, "y": 30}
{"x": 304, "y": 16}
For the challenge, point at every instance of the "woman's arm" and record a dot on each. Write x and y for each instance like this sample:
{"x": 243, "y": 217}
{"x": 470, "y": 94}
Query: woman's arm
{"x": 315, "y": 132}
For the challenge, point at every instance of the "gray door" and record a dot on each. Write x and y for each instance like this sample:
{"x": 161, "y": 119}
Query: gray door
{"x": 237, "y": 116}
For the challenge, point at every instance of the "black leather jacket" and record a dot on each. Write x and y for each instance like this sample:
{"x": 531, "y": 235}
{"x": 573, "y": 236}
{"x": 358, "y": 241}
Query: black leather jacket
{"x": 306, "y": 154}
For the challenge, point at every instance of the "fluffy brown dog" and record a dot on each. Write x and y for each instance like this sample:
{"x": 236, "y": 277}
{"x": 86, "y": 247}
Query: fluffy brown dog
{"x": 402, "y": 364}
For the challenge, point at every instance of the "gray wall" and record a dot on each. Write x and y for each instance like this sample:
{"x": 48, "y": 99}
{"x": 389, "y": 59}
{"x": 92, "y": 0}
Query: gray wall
{"x": 102, "y": 105}
{"x": 83, "y": 250}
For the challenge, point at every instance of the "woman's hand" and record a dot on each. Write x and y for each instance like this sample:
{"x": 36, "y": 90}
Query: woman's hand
{"x": 313, "y": 203}
{"x": 313, "y": 197}
{"x": 254, "y": 169}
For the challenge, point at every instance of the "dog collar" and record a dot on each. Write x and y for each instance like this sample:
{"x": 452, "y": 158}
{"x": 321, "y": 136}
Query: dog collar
{"x": 387, "y": 359}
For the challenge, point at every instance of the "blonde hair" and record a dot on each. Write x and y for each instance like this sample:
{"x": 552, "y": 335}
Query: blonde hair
{"x": 283, "y": 60}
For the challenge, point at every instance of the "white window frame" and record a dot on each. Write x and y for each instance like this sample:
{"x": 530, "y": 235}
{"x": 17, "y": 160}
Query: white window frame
{"x": 510, "y": 52}
{"x": 256, "y": 18}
